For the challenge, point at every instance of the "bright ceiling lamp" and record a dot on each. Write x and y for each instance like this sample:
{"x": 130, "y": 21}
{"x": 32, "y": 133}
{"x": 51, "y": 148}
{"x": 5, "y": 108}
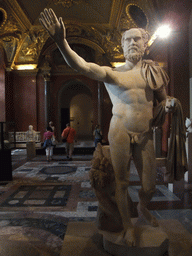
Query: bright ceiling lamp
{"x": 162, "y": 32}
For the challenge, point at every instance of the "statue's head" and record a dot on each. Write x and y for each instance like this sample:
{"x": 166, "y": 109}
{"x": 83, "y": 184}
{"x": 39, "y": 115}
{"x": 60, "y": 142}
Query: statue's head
{"x": 30, "y": 127}
{"x": 134, "y": 43}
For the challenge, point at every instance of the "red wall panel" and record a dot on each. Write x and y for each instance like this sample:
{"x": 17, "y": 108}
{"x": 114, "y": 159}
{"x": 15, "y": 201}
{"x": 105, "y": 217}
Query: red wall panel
{"x": 24, "y": 92}
{"x": 41, "y": 125}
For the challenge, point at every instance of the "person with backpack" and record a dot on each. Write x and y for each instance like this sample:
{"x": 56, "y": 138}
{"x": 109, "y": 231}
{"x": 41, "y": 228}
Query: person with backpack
{"x": 98, "y": 135}
{"x": 48, "y": 145}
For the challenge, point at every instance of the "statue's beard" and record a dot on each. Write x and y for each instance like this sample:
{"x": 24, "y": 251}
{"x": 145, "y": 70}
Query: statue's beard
{"x": 134, "y": 56}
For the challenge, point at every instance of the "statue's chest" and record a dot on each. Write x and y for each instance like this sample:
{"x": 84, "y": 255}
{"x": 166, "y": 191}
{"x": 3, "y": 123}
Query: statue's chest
{"x": 130, "y": 80}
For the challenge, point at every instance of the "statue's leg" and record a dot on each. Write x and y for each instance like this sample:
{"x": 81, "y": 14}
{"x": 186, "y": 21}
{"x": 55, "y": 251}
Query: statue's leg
{"x": 120, "y": 150}
{"x": 145, "y": 162}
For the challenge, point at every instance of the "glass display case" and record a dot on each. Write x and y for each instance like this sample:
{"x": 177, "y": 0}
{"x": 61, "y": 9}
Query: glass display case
{"x": 5, "y": 150}
{"x": 7, "y": 135}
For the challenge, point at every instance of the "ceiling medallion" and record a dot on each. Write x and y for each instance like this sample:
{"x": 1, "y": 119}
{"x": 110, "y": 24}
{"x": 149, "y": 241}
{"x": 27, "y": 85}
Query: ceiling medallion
{"x": 137, "y": 15}
{"x": 67, "y": 3}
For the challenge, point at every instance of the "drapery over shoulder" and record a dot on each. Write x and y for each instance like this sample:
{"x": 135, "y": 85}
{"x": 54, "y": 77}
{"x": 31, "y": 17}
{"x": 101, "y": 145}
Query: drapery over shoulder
{"x": 176, "y": 166}
{"x": 154, "y": 75}
{"x": 176, "y": 159}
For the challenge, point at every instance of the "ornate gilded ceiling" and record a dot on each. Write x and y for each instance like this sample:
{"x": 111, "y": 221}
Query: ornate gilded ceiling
{"x": 95, "y": 23}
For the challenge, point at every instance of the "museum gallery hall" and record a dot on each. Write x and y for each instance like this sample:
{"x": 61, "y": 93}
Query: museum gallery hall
{"x": 59, "y": 207}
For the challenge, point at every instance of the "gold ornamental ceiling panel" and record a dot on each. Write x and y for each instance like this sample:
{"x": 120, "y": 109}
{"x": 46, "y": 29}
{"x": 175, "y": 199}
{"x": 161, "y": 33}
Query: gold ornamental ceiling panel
{"x": 99, "y": 22}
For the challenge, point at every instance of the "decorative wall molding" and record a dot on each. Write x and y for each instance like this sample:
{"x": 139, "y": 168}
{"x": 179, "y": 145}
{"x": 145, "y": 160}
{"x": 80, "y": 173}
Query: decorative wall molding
{"x": 19, "y": 14}
{"x": 23, "y": 41}
{"x": 31, "y": 46}
{"x": 67, "y": 3}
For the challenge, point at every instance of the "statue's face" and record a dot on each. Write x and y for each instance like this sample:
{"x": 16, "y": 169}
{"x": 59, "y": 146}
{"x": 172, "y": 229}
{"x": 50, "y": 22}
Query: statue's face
{"x": 134, "y": 45}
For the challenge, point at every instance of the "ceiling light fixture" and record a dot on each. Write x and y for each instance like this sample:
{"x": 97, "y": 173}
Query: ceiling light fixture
{"x": 162, "y": 32}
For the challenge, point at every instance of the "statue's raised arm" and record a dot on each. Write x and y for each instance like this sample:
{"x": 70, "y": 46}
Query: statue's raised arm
{"x": 57, "y": 32}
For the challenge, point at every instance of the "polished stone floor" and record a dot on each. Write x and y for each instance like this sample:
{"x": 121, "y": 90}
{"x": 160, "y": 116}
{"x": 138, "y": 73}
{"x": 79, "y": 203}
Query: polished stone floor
{"x": 43, "y": 197}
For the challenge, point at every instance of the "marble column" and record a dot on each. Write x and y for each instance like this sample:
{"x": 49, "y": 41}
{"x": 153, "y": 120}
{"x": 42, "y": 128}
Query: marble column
{"x": 47, "y": 98}
{"x": 100, "y": 61}
{"x": 100, "y": 102}
{"x": 45, "y": 69}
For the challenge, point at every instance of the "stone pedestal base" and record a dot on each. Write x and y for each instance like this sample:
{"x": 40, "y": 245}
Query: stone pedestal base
{"x": 83, "y": 239}
{"x": 119, "y": 250}
{"x": 150, "y": 241}
{"x": 31, "y": 152}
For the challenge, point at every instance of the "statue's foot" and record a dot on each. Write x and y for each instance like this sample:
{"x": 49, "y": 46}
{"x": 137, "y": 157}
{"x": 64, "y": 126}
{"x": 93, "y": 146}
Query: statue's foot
{"x": 144, "y": 212}
{"x": 129, "y": 237}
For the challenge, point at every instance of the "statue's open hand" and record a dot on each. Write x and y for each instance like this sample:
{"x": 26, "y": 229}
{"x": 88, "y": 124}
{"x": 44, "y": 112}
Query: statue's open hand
{"x": 54, "y": 26}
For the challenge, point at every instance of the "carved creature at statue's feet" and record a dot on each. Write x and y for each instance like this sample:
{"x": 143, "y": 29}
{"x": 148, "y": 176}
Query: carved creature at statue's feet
{"x": 143, "y": 212}
{"x": 129, "y": 237}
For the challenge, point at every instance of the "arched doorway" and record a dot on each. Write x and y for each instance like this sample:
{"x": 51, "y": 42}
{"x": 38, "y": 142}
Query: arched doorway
{"x": 76, "y": 107}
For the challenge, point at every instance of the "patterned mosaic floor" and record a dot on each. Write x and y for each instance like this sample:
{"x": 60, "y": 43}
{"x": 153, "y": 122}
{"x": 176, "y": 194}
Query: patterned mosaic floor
{"x": 43, "y": 197}
{"x": 37, "y": 229}
{"x": 38, "y": 195}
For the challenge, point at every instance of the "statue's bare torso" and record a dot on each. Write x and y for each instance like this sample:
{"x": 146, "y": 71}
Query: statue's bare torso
{"x": 132, "y": 100}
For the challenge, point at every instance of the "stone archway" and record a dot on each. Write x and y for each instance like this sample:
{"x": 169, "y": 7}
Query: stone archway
{"x": 76, "y": 107}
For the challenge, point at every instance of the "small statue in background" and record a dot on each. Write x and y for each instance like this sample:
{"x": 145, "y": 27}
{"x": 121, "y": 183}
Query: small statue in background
{"x": 188, "y": 125}
{"x": 31, "y": 134}
{"x": 52, "y": 126}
